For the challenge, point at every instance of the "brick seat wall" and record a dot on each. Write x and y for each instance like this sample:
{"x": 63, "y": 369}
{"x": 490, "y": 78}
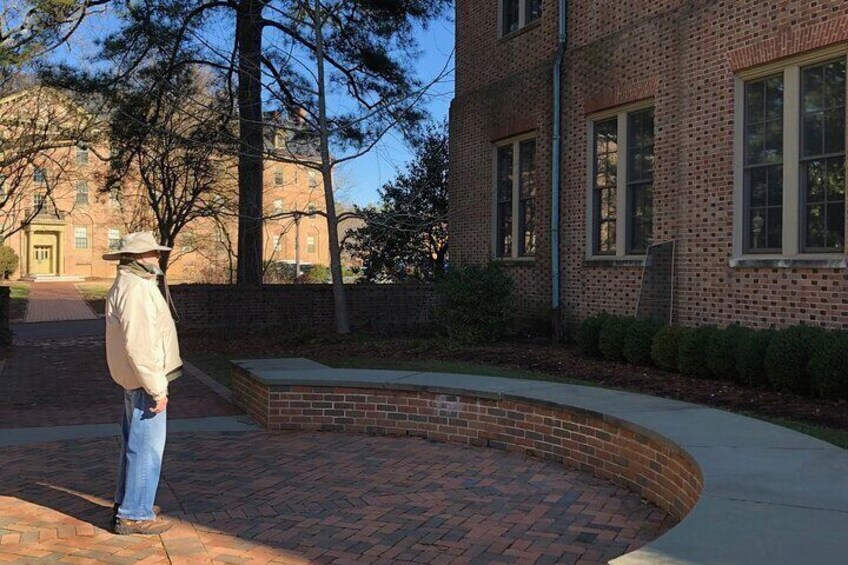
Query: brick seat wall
{"x": 607, "y": 447}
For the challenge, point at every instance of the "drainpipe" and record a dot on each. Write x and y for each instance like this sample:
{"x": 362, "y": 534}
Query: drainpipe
{"x": 556, "y": 153}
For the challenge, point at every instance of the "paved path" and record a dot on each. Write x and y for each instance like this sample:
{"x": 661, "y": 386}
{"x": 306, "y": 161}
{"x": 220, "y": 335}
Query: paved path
{"x": 52, "y": 302}
{"x": 303, "y": 498}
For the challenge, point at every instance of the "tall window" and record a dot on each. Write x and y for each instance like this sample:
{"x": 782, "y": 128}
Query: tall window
{"x": 640, "y": 180}
{"x": 278, "y": 206}
{"x": 114, "y": 239}
{"x": 39, "y": 200}
{"x": 278, "y": 242}
{"x": 515, "y": 194}
{"x": 81, "y": 237}
{"x": 311, "y": 209}
{"x": 82, "y": 155}
{"x": 823, "y": 156}
{"x": 622, "y": 183}
{"x": 792, "y": 144}
{"x": 605, "y": 189}
{"x": 279, "y": 178}
{"x": 313, "y": 179}
{"x": 39, "y": 176}
{"x": 310, "y": 244}
{"x": 82, "y": 192}
{"x": 515, "y": 14}
{"x": 764, "y": 165}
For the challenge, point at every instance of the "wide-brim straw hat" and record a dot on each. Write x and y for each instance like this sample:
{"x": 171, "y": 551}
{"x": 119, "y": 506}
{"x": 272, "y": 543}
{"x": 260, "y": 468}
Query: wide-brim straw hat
{"x": 135, "y": 244}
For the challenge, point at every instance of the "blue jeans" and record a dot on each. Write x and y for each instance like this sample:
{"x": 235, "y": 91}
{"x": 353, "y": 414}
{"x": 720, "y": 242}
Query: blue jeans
{"x": 142, "y": 445}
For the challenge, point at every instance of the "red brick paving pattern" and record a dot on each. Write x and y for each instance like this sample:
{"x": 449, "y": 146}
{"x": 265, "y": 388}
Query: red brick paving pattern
{"x": 320, "y": 498}
{"x": 66, "y": 382}
{"x": 53, "y": 302}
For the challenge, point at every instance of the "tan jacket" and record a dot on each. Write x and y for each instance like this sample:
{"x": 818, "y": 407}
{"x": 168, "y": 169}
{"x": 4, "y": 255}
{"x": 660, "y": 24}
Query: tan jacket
{"x": 141, "y": 339}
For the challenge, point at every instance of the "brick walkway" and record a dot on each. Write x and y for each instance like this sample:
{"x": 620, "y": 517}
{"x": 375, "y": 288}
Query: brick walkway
{"x": 320, "y": 498}
{"x": 66, "y": 382}
{"x": 53, "y": 302}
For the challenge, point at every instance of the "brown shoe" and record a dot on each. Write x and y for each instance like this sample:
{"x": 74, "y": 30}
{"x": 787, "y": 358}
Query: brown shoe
{"x": 154, "y": 527}
{"x": 113, "y": 521}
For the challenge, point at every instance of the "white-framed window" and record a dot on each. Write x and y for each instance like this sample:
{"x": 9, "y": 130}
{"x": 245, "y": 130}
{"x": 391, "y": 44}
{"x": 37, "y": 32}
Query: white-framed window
{"x": 311, "y": 210}
{"x": 313, "y": 179}
{"x": 116, "y": 197}
{"x": 515, "y": 196}
{"x": 82, "y": 192}
{"x": 81, "y": 237}
{"x": 311, "y": 243}
{"x": 279, "y": 176}
{"x": 278, "y": 206}
{"x": 82, "y": 155}
{"x": 515, "y": 14}
{"x": 278, "y": 242}
{"x": 114, "y": 239}
{"x": 39, "y": 200}
{"x": 789, "y": 158}
{"x": 620, "y": 182}
{"x": 188, "y": 242}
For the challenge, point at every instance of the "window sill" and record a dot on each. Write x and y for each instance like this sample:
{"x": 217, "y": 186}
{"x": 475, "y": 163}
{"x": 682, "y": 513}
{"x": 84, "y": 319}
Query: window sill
{"x": 514, "y": 261}
{"x": 513, "y": 34}
{"x": 835, "y": 261}
{"x": 614, "y": 261}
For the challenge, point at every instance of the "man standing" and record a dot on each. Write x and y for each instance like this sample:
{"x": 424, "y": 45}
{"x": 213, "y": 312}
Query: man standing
{"x": 143, "y": 356}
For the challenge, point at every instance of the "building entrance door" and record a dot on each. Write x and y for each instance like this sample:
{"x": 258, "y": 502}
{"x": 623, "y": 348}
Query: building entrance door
{"x": 42, "y": 263}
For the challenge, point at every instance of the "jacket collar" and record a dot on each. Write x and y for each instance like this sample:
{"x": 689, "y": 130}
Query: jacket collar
{"x": 133, "y": 269}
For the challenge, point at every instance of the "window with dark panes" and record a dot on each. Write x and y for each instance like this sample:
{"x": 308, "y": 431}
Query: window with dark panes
{"x": 511, "y": 10}
{"x": 640, "y": 180}
{"x": 504, "y": 204}
{"x": 532, "y": 10}
{"x": 526, "y": 196}
{"x": 605, "y": 179}
{"x": 763, "y": 174}
{"x": 822, "y": 166}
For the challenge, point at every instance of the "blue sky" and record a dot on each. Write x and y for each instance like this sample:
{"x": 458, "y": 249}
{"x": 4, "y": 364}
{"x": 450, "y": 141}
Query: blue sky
{"x": 360, "y": 179}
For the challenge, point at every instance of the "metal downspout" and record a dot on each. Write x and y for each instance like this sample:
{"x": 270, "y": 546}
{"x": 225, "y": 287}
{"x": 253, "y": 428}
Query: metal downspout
{"x": 556, "y": 154}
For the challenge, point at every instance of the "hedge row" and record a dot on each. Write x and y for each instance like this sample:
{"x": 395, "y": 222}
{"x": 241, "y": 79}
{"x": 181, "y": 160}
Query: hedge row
{"x": 800, "y": 359}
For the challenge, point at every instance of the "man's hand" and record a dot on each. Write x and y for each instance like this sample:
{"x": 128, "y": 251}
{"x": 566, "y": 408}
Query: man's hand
{"x": 160, "y": 405}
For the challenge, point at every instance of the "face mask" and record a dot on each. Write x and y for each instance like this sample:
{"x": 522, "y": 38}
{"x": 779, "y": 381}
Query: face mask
{"x": 152, "y": 268}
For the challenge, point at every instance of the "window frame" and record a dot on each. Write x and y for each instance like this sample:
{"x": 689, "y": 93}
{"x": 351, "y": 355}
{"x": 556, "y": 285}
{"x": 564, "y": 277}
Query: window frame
{"x": 312, "y": 247}
{"x": 111, "y": 242}
{"x": 622, "y": 195}
{"x": 791, "y": 253}
{"x": 78, "y": 201}
{"x": 522, "y": 18}
{"x": 81, "y": 158}
{"x": 515, "y": 142}
{"x": 78, "y": 239}
{"x": 279, "y": 176}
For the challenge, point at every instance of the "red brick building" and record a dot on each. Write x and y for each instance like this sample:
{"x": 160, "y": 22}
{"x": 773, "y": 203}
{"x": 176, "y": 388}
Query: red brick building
{"x": 719, "y": 125}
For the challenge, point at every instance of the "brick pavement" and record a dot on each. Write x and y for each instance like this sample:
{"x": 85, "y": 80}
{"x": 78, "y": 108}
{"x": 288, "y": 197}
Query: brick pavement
{"x": 53, "y": 302}
{"x": 300, "y": 498}
{"x": 62, "y": 382}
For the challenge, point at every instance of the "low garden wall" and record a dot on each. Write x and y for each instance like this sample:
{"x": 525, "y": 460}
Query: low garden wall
{"x": 304, "y": 307}
{"x": 607, "y": 447}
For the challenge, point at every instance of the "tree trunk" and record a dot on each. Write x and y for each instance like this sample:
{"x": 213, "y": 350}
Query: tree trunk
{"x": 251, "y": 142}
{"x": 339, "y": 298}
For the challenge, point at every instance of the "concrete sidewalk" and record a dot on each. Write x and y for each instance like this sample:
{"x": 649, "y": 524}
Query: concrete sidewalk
{"x": 52, "y": 302}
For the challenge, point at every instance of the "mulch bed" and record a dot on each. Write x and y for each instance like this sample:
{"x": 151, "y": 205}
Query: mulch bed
{"x": 542, "y": 357}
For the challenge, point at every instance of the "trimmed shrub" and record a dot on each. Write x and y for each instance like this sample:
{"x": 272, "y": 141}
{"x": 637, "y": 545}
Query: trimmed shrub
{"x": 611, "y": 338}
{"x": 828, "y": 365}
{"x": 477, "y": 305}
{"x": 8, "y": 261}
{"x": 721, "y": 352}
{"x": 638, "y": 341}
{"x": 692, "y": 351}
{"x": 751, "y": 357}
{"x": 787, "y": 357}
{"x": 664, "y": 347}
{"x": 589, "y": 332}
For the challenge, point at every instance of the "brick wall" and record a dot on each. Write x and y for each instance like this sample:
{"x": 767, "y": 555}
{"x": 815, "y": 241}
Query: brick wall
{"x": 683, "y": 55}
{"x": 379, "y": 308}
{"x": 614, "y": 450}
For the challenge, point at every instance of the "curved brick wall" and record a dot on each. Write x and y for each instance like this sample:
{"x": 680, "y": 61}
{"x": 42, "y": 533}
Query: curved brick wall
{"x": 607, "y": 447}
